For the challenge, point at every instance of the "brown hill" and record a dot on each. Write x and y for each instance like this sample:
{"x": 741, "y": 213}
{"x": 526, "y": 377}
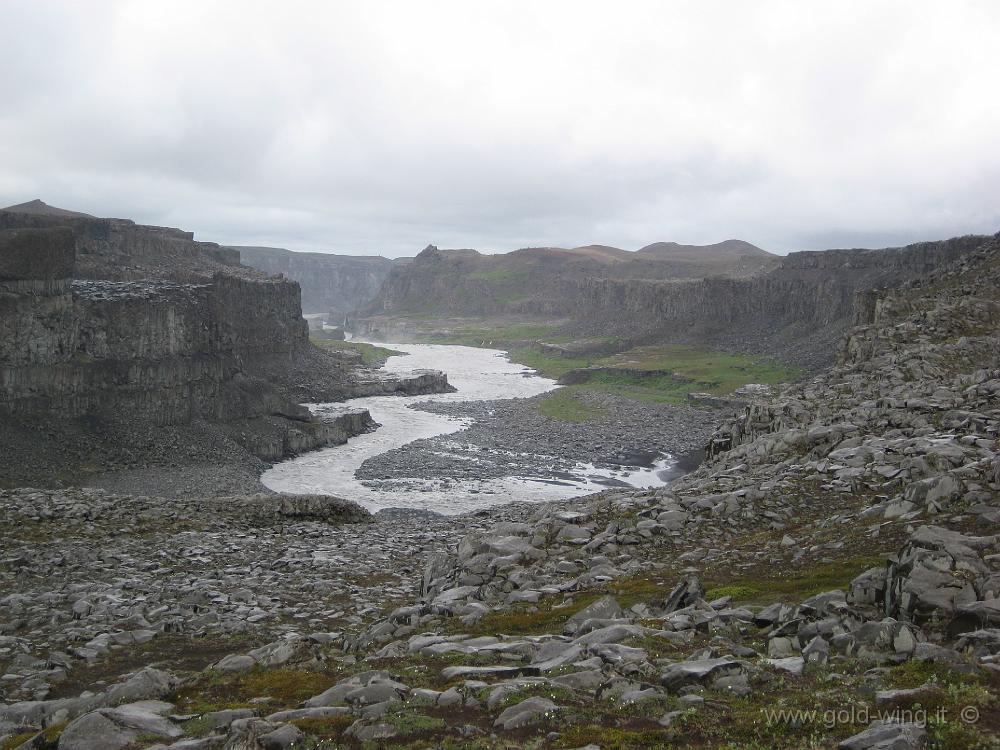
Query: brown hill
{"x": 726, "y": 249}
{"x": 40, "y": 208}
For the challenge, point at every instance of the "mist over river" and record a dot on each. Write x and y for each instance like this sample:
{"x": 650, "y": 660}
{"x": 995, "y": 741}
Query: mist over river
{"x": 479, "y": 375}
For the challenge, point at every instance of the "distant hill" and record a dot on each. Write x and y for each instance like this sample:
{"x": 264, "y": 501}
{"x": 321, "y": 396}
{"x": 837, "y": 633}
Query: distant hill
{"x": 40, "y": 208}
{"x": 728, "y": 249}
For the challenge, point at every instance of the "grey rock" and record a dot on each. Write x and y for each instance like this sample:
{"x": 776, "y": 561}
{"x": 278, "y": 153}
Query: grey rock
{"x": 529, "y": 711}
{"x": 887, "y": 736}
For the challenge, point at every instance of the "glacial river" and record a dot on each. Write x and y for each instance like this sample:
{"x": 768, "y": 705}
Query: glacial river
{"x": 479, "y": 375}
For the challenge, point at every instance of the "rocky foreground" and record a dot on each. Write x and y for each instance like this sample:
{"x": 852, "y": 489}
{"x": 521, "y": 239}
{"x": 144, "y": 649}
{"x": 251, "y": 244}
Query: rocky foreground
{"x": 829, "y": 578}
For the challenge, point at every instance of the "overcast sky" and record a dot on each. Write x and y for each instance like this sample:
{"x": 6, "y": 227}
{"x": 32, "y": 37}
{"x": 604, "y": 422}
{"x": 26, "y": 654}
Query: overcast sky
{"x": 380, "y": 127}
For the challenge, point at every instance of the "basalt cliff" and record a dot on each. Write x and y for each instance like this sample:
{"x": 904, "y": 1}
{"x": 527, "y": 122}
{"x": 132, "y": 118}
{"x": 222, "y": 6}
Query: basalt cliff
{"x": 124, "y": 345}
{"x": 737, "y": 297}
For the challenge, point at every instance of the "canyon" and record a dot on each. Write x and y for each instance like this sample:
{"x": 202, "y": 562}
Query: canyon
{"x": 330, "y": 283}
{"x": 829, "y": 535}
{"x": 794, "y": 308}
{"x": 827, "y": 577}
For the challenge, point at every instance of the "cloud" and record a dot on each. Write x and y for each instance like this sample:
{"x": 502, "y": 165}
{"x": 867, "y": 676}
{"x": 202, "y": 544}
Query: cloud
{"x": 379, "y": 127}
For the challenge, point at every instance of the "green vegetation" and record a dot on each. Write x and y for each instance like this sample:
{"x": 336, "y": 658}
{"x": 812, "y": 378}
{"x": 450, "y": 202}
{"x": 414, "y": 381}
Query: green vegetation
{"x": 615, "y": 738}
{"x": 549, "y": 366}
{"x": 792, "y": 585}
{"x": 566, "y": 407}
{"x": 407, "y": 720}
{"x": 16, "y": 740}
{"x": 371, "y": 355}
{"x": 498, "y": 336}
{"x": 213, "y": 691}
{"x": 664, "y": 374}
{"x": 742, "y": 593}
{"x": 497, "y": 274}
{"x": 326, "y": 727}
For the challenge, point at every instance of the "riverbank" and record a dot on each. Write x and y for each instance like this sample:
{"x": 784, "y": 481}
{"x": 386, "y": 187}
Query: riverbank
{"x": 497, "y": 437}
{"x": 514, "y": 438}
{"x": 130, "y": 455}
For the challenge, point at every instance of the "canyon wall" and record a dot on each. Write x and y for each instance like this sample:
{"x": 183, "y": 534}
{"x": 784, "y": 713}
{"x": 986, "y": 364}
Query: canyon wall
{"x": 338, "y": 284}
{"x": 168, "y": 351}
{"x": 88, "y": 363}
{"x": 541, "y": 280}
{"x": 120, "y": 249}
{"x": 796, "y": 310}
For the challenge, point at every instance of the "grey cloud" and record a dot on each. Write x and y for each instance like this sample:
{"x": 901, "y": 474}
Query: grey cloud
{"x": 380, "y": 127}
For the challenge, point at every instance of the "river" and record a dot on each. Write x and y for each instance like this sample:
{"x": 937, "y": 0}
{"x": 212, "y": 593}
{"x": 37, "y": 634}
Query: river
{"x": 479, "y": 375}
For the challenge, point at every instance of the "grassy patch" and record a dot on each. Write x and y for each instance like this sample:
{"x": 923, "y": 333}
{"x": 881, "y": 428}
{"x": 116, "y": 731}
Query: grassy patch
{"x": 549, "y": 366}
{"x": 497, "y": 336}
{"x": 371, "y": 355}
{"x": 325, "y": 727}
{"x": 183, "y": 653}
{"x": 664, "y": 374}
{"x": 743, "y": 593}
{"x": 497, "y": 274}
{"x": 16, "y": 740}
{"x": 564, "y": 406}
{"x": 560, "y": 695}
{"x": 546, "y": 617}
{"x": 531, "y": 619}
{"x": 410, "y": 722}
{"x": 615, "y": 738}
{"x": 286, "y": 688}
{"x": 770, "y": 584}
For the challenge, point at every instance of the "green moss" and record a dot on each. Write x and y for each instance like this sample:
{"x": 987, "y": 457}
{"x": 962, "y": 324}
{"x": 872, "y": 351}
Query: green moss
{"x": 325, "y": 727}
{"x": 198, "y": 726}
{"x": 528, "y": 619}
{"x": 559, "y": 695}
{"x": 788, "y": 584}
{"x": 286, "y": 687}
{"x": 412, "y": 723}
{"x": 614, "y": 738}
{"x": 954, "y": 735}
{"x": 52, "y": 733}
{"x": 16, "y": 740}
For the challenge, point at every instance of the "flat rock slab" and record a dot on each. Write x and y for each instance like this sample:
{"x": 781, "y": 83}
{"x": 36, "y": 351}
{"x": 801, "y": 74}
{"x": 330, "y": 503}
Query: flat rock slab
{"x": 450, "y": 673}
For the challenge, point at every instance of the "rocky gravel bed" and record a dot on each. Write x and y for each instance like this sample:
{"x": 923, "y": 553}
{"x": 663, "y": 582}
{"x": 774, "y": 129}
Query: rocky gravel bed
{"x": 511, "y": 438}
{"x": 84, "y": 572}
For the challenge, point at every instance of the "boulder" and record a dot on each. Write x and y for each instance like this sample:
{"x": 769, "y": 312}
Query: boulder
{"x": 529, "y": 711}
{"x": 887, "y": 735}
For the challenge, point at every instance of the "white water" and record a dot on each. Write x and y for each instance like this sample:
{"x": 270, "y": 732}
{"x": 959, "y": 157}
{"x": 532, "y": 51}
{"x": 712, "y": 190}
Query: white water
{"x": 479, "y": 375}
